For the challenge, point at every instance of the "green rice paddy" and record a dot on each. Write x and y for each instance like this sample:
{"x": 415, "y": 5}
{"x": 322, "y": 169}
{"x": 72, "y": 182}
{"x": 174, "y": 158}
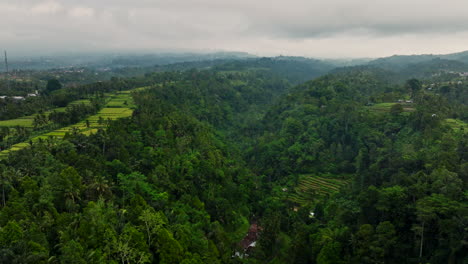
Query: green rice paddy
{"x": 457, "y": 124}
{"x": 119, "y": 105}
{"x": 385, "y": 107}
{"x": 27, "y": 121}
{"x": 311, "y": 187}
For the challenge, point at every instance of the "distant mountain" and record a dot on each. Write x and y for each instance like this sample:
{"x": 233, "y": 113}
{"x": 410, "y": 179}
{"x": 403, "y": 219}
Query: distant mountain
{"x": 399, "y": 62}
{"x": 165, "y": 59}
{"x": 427, "y": 69}
{"x": 460, "y": 56}
{"x": 368, "y": 71}
{"x": 102, "y": 60}
{"x": 348, "y": 62}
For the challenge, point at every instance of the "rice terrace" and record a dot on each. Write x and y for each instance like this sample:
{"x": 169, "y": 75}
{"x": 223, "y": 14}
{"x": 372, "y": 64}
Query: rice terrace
{"x": 311, "y": 188}
{"x": 119, "y": 105}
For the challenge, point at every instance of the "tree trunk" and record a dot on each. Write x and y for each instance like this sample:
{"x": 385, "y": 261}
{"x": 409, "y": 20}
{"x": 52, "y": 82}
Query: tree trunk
{"x": 3, "y": 195}
{"x": 422, "y": 241}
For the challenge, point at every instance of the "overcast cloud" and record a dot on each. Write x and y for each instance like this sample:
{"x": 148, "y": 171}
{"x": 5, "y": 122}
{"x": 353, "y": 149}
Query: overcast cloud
{"x": 332, "y": 28}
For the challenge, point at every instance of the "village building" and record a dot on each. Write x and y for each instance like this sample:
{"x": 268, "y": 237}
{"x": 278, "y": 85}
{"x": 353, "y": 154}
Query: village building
{"x": 249, "y": 241}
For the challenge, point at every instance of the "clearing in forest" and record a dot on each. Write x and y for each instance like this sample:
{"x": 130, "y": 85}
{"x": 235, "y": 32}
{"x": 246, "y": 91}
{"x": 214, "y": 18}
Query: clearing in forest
{"x": 311, "y": 187}
{"x": 385, "y": 107}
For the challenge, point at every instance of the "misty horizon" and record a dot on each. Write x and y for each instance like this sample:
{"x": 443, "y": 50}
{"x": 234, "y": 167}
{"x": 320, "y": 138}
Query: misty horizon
{"x": 15, "y": 55}
{"x": 332, "y": 29}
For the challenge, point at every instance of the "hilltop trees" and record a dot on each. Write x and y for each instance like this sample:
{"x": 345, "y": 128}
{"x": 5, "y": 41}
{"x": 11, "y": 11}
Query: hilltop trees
{"x": 414, "y": 86}
{"x": 53, "y": 85}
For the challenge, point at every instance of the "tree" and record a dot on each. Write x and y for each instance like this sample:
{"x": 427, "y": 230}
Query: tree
{"x": 385, "y": 240}
{"x": 129, "y": 248}
{"x": 396, "y": 109}
{"x": 73, "y": 253}
{"x": 153, "y": 221}
{"x": 429, "y": 210}
{"x": 52, "y": 85}
{"x": 137, "y": 183}
{"x": 330, "y": 253}
{"x": 446, "y": 183}
{"x": 363, "y": 243}
{"x": 99, "y": 186}
{"x": 414, "y": 85}
{"x": 170, "y": 250}
{"x": 67, "y": 187}
{"x": 40, "y": 120}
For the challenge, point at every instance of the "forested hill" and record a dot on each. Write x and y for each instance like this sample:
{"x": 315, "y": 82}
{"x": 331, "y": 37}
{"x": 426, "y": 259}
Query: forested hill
{"x": 294, "y": 69}
{"x": 348, "y": 168}
{"x": 401, "y": 61}
{"x": 426, "y": 66}
{"x": 160, "y": 187}
{"x": 356, "y": 177}
{"x": 433, "y": 67}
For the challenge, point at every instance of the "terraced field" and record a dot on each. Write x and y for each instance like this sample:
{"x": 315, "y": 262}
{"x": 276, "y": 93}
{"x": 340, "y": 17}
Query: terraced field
{"x": 385, "y": 107}
{"x": 27, "y": 121}
{"x": 457, "y": 124}
{"x": 311, "y": 187}
{"x": 119, "y": 105}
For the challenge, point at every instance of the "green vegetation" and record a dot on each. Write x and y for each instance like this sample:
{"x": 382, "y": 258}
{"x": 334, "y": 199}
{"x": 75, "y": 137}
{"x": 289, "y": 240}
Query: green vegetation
{"x": 197, "y": 165}
{"x": 118, "y": 106}
{"x": 28, "y": 121}
{"x": 387, "y": 107}
{"x": 312, "y": 188}
{"x": 457, "y": 124}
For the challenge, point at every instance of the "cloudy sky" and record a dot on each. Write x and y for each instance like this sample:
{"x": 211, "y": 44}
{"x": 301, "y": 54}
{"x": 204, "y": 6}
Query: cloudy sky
{"x": 316, "y": 28}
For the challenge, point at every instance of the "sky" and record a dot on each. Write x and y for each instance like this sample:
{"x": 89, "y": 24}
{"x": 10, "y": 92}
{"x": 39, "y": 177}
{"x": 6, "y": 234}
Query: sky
{"x": 312, "y": 28}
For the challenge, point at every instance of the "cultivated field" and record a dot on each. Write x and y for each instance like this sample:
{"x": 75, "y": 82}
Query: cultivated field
{"x": 385, "y": 107}
{"x": 119, "y": 105}
{"x": 311, "y": 187}
{"x": 27, "y": 121}
{"x": 457, "y": 124}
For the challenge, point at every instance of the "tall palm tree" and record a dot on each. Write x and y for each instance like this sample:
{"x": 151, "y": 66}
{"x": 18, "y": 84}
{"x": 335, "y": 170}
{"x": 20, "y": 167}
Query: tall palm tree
{"x": 100, "y": 186}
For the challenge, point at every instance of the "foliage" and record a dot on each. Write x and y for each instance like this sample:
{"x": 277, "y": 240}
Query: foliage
{"x": 175, "y": 172}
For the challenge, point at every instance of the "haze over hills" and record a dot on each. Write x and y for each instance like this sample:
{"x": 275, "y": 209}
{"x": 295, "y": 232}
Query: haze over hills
{"x": 116, "y": 60}
{"x": 234, "y": 132}
{"x": 401, "y": 61}
{"x": 230, "y": 158}
{"x": 102, "y": 60}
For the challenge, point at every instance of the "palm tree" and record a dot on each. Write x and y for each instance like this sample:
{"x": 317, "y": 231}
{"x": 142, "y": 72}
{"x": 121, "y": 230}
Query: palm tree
{"x": 7, "y": 177}
{"x": 100, "y": 186}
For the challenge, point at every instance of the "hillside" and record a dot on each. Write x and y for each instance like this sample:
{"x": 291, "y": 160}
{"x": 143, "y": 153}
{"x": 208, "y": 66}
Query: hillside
{"x": 234, "y": 164}
{"x": 294, "y": 69}
{"x": 398, "y": 62}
